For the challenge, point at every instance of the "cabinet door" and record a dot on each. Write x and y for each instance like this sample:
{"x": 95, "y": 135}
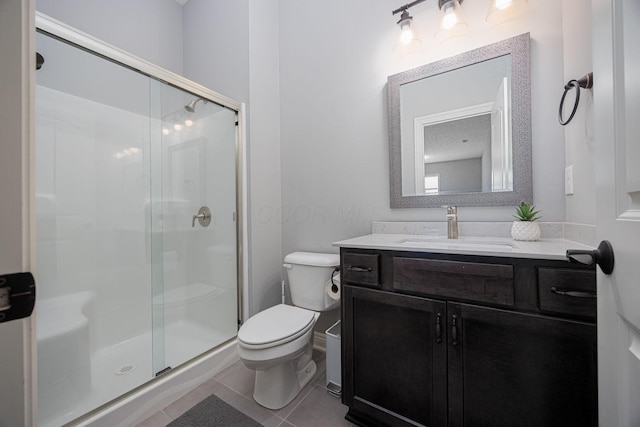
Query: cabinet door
{"x": 394, "y": 358}
{"x": 509, "y": 369}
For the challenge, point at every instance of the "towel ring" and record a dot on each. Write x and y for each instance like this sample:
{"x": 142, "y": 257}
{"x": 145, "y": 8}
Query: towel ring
{"x": 585, "y": 82}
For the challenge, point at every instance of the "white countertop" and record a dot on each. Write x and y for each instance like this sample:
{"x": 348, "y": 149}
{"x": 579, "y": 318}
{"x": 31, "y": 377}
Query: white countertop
{"x": 554, "y": 249}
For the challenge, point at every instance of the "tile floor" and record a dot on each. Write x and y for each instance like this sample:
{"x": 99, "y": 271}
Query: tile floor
{"x": 313, "y": 407}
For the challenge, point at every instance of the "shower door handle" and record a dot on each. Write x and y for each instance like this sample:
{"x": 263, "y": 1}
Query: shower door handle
{"x": 203, "y": 217}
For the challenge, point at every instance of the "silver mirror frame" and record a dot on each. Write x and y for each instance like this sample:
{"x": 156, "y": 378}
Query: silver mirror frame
{"x": 519, "y": 49}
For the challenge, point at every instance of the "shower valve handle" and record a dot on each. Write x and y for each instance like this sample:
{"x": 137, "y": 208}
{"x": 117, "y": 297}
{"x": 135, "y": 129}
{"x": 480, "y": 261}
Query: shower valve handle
{"x": 203, "y": 217}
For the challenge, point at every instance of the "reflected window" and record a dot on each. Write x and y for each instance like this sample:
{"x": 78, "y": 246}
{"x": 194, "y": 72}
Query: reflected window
{"x": 432, "y": 183}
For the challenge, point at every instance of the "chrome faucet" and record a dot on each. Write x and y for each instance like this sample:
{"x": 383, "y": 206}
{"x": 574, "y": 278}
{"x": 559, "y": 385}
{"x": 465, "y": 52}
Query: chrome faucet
{"x": 452, "y": 222}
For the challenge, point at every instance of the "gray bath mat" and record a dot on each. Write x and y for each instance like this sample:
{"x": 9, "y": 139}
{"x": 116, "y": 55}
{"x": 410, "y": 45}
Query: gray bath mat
{"x": 214, "y": 412}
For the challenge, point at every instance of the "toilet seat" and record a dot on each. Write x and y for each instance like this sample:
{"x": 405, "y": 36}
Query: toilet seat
{"x": 275, "y": 326}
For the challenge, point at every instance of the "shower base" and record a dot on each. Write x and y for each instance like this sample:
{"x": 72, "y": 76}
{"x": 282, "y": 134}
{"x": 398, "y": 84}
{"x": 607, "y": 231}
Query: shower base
{"x": 117, "y": 369}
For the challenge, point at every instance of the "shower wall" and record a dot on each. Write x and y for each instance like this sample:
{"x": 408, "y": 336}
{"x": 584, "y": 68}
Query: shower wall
{"x": 92, "y": 182}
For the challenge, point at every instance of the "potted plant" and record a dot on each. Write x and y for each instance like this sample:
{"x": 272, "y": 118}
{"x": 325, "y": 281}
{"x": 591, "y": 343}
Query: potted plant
{"x": 525, "y": 228}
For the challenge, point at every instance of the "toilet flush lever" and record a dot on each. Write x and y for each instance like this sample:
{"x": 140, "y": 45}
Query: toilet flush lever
{"x": 203, "y": 217}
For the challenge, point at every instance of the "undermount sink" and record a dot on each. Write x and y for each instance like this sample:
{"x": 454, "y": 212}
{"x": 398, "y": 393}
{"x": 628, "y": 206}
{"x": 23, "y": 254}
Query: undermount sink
{"x": 443, "y": 243}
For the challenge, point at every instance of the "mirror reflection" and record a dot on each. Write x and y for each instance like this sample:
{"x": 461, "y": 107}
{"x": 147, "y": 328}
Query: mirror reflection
{"x": 461, "y": 144}
{"x": 460, "y": 129}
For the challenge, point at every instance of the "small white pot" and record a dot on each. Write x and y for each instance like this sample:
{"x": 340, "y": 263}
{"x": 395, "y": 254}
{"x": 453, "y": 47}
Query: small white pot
{"x": 525, "y": 230}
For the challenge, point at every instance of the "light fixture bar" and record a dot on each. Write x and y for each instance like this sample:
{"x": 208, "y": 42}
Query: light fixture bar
{"x": 407, "y": 6}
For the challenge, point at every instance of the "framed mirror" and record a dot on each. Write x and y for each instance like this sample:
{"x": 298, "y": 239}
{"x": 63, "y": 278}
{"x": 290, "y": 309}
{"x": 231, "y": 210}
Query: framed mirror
{"x": 460, "y": 129}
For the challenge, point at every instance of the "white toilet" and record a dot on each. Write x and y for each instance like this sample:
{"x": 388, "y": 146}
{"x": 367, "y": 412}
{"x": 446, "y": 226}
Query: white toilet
{"x": 278, "y": 342}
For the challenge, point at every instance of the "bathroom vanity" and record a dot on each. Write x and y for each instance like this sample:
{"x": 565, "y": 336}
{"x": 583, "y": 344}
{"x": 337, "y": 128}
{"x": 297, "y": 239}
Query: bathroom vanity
{"x": 482, "y": 333}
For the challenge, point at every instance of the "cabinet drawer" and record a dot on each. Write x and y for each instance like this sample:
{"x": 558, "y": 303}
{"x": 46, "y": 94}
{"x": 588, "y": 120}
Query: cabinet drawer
{"x": 492, "y": 283}
{"x": 362, "y": 269}
{"x": 567, "y": 291}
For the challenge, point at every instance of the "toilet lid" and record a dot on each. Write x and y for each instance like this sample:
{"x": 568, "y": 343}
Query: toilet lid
{"x": 275, "y": 324}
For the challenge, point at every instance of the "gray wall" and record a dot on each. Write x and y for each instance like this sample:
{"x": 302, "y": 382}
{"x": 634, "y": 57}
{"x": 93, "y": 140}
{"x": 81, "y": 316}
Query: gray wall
{"x": 460, "y": 176}
{"x": 335, "y": 57}
{"x": 232, "y": 47}
{"x": 334, "y": 61}
{"x": 265, "y": 157}
{"x": 150, "y": 29}
{"x": 216, "y": 46}
{"x": 579, "y": 143}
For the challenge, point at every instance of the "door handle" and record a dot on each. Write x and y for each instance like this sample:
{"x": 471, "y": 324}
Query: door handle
{"x": 603, "y": 256}
{"x": 203, "y": 217}
{"x": 17, "y": 296}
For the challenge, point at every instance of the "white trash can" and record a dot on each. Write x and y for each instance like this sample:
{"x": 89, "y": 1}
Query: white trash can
{"x": 334, "y": 370}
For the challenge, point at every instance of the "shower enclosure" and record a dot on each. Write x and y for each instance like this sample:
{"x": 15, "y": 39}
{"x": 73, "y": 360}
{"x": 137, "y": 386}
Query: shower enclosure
{"x": 134, "y": 278}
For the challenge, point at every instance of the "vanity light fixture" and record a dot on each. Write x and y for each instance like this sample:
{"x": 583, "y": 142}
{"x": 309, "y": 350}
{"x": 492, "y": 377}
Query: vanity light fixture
{"x": 504, "y": 10}
{"x": 451, "y": 10}
{"x": 406, "y": 32}
{"x": 451, "y": 25}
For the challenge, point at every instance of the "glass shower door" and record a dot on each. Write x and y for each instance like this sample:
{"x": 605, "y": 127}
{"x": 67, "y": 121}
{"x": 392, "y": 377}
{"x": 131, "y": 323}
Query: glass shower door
{"x": 92, "y": 184}
{"x": 198, "y": 304}
{"x": 129, "y": 283}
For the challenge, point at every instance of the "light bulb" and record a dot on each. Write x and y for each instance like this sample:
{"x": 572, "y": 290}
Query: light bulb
{"x": 450, "y": 19}
{"x": 503, "y": 4}
{"x": 407, "y": 35}
{"x": 188, "y": 122}
{"x": 177, "y": 127}
{"x": 165, "y": 131}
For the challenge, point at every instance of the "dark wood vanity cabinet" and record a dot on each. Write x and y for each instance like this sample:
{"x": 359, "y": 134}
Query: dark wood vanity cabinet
{"x": 398, "y": 359}
{"x": 455, "y": 340}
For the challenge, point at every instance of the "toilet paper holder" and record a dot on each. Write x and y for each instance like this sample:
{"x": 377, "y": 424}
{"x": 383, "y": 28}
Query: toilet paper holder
{"x": 335, "y": 287}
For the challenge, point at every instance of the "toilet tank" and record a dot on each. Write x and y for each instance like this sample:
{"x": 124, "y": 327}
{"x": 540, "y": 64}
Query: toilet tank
{"x": 308, "y": 275}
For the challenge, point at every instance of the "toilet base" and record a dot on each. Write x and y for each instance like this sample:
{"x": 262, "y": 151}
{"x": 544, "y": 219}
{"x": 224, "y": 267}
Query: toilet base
{"x": 276, "y": 387}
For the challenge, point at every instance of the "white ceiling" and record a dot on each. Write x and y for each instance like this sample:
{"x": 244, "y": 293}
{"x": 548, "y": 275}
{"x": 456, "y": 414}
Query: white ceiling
{"x": 466, "y": 138}
{"x": 182, "y": 2}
